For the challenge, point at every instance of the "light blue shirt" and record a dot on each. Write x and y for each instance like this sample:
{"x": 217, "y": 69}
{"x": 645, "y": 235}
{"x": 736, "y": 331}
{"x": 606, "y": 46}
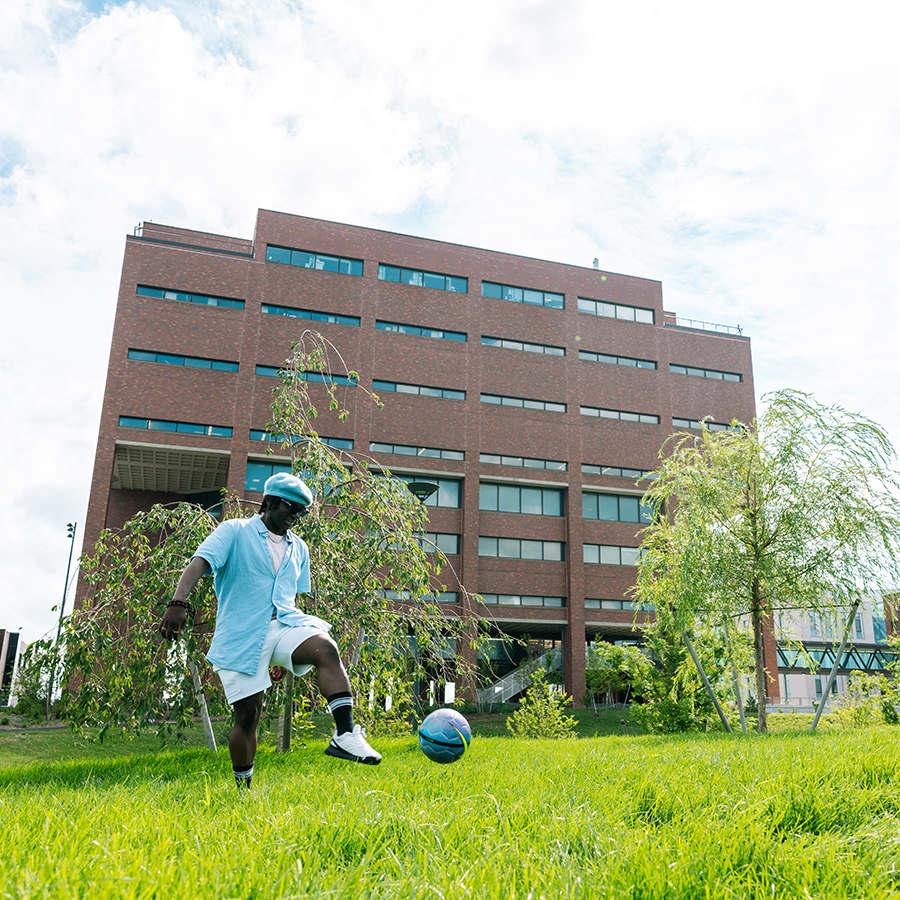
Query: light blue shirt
{"x": 249, "y": 591}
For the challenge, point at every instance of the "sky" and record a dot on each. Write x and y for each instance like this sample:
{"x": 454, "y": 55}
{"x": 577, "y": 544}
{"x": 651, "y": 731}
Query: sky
{"x": 745, "y": 155}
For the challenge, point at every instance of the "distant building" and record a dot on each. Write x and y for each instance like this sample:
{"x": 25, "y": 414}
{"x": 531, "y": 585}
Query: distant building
{"x": 535, "y": 394}
{"x": 801, "y": 685}
{"x": 9, "y": 649}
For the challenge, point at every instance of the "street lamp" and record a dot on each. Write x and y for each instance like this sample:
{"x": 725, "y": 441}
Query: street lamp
{"x": 421, "y": 490}
{"x": 72, "y": 527}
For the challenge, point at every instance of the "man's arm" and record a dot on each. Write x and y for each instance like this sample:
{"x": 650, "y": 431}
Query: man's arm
{"x": 172, "y": 624}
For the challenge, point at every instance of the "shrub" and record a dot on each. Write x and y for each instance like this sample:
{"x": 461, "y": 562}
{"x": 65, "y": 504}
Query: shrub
{"x": 541, "y": 712}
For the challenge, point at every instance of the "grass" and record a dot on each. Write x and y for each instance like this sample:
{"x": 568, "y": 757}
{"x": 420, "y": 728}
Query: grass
{"x": 708, "y": 815}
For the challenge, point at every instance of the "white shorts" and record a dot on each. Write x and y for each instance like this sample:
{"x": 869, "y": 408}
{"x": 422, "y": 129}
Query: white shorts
{"x": 281, "y": 641}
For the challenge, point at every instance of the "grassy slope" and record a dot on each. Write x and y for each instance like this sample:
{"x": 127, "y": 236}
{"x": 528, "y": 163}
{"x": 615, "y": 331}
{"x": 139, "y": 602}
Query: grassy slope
{"x": 637, "y": 817}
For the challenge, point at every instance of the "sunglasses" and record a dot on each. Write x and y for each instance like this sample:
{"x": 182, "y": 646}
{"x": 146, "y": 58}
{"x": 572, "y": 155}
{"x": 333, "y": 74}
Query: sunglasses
{"x": 295, "y": 509}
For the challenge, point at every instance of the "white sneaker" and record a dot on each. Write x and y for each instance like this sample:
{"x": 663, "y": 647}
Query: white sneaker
{"x": 353, "y": 745}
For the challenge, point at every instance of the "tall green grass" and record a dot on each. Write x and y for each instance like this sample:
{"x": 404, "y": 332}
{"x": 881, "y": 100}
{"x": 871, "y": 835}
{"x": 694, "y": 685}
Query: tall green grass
{"x": 782, "y": 816}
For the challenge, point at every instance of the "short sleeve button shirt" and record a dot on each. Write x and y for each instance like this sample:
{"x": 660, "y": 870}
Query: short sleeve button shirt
{"x": 247, "y": 590}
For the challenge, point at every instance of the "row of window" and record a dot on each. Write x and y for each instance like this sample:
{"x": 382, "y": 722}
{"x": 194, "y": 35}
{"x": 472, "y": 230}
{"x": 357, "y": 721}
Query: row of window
{"x": 605, "y": 555}
{"x": 420, "y": 389}
{"x": 546, "y": 349}
{"x": 619, "y": 414}
{"x": 423, "y": 279}
{"x": 630, "y": 605}
{"x": 180, "y": 427}
{"x": 614, "y": 508}
{"x": 512, "y": 498}
{"x": 522, "y": 403}
{"x": 615, "y": 471}
{"x": 338, "y": 443}
{"x": 698, "y": 425}
{"x": 399, "y": 328}
{"x": 496, "y": 459}
{"x": 318, "y": 377}
{"x": 521, "y": 600}
{"x": 321, "y": 261}
{"x": 615, "y": 311}
{"x": 408, "y": 450}
{"x": 522, "y": 295}
{"x": 313, "y": 315}
{"x": 514, "y": 548}
{"x": 616, "y": 360}
{"x": 184, "y": 297}
{"x": 193, "y": 362}
{"x": 705, "y": 373}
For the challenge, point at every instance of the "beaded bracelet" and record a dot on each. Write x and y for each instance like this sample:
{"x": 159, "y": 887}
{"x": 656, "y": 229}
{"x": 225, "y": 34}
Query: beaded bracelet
{"x": 184, "y": 604}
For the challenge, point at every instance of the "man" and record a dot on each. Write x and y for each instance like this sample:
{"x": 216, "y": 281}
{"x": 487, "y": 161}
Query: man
{"x": 259, "y": 567}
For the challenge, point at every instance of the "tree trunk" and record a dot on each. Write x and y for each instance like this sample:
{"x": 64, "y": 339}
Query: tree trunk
{"x": 759, "y": 650}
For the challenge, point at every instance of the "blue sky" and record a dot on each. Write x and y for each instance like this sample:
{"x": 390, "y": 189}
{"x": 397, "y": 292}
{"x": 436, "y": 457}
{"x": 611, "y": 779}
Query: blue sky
{"x": 747, "y": 157}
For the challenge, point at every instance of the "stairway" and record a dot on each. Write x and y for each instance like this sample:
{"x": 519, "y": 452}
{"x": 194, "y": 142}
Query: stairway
{"x": 518, "y": 679}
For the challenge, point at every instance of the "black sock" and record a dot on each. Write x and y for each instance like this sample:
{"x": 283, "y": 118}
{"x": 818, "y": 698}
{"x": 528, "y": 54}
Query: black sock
{"x": 243, "y": 775}
{"x": 340, "y": 705}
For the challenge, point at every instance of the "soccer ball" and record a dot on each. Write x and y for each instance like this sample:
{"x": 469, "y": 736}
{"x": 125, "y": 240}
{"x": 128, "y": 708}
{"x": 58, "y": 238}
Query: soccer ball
{"x": 444, "y": 736}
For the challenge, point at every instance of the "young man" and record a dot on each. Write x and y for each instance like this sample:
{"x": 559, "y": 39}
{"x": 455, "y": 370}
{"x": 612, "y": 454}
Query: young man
{"x": 259, "y": 567}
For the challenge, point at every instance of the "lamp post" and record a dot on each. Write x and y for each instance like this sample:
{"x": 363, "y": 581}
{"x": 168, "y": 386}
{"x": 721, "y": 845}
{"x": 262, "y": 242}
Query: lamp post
{"x": 72, "y": 527}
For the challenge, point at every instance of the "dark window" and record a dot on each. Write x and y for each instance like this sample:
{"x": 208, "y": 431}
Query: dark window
{"x": 184, "y": 297}
{"x": 522, "y": 295}
{"x": 399, "y": 328}
{"x": 615, "y": 311}
{"x": 614, "y": 508}
{"x": 314, "y": 315}
{"x": 420, "y": 278}
{"x": 259, "y": 472}
{"x": 303, "y": 259}
{"x": 193, "y": 362}
{"x": 532, "y": 501}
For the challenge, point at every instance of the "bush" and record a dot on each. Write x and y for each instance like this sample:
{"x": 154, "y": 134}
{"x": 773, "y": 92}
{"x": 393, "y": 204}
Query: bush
{"x": 541, "y": 712}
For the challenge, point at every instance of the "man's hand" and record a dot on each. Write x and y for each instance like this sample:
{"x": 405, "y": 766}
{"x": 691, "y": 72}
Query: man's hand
{"x": 172, "y": 625}
{"x": 277, "y": 673}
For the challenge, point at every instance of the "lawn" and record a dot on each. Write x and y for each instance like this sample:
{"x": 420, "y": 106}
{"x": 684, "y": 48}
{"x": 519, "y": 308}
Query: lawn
{"x": 706, "y": 815}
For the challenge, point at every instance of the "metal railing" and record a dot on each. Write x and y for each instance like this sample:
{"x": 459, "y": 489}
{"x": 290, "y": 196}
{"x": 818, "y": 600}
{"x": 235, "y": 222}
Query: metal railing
{"x": 678, "y": 322}
{"x": 519, "y": 679}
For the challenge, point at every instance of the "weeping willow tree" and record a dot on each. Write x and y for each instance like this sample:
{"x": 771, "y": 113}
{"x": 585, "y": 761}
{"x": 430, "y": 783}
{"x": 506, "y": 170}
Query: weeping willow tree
{"x": 375, "y": 577}
{"x": 796, "y": 511}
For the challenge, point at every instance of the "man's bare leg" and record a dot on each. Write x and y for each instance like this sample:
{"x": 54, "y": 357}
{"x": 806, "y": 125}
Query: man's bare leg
{"x": 243, "y": 737}
{"x": 348, "y": 741}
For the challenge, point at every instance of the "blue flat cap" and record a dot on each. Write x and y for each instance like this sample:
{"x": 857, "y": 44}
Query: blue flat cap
{"x": 288, "y": 487}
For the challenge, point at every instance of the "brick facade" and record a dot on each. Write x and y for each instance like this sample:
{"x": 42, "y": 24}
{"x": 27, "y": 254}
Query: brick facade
{"x": 195, "y": 262}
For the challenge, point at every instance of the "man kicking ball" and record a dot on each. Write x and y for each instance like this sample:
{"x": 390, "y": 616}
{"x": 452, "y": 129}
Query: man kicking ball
{"x": 259, "y": 567}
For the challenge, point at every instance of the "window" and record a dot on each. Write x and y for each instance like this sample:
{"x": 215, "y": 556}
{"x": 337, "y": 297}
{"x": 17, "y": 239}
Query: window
{"x": 614, "y": 508}
{"x": 337, "y": 443}
{"x": 858, "y": 622}
{"x": 514, "y": 498}
{"x": 523, "y": 403}
{"x": 521, "y": 600}
{"x": 320, "y": 377}
{"x": 306, "y": 260}
{"x": 399, "y": 328}
{"x": 592, "y": 603}
{"x": 522, "y": 295}
{"x": 615, "y": 311}
{"x": 446, "y": 543}
{"x": 604, "y": 555}
{"x": 496, "y": 459}
{"x": 506, "y": 344}
{"x": 433, "y": 597}
{"x": 423, "y": 279}
{"x": 699, "y": 425}
{"x": 259, "y": 472}
{"x": 513, "y": 548}
{"x": 192, "y": 362}
{"x": 407, "y": 450}
{"x": 184, "y": 297}
{"x": 179, "y": 427}
{"x": 420, "y": 389}
{"x": 614, "y": 471}
{"x": 314, "y": 315}
{"x": 617, "y": 360}
{"x": 447, "y": 495}
{"x": 646, "y": 418}
{"x": 705, "y": 373}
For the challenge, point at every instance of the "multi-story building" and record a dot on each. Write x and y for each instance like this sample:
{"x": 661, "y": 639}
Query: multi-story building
{"x": 535, "y": 394}
{"x": 9, "y": 651}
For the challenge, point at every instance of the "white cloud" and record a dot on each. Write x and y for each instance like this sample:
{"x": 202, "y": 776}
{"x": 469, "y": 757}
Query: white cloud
{"x": 746, "y": 157}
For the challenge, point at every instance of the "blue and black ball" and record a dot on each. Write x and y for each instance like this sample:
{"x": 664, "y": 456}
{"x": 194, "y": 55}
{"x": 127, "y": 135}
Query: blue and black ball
{"x": 444, "y": 735}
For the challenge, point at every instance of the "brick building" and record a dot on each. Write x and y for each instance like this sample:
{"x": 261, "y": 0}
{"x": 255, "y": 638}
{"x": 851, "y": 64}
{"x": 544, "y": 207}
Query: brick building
{"x": 534, "y": 393}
